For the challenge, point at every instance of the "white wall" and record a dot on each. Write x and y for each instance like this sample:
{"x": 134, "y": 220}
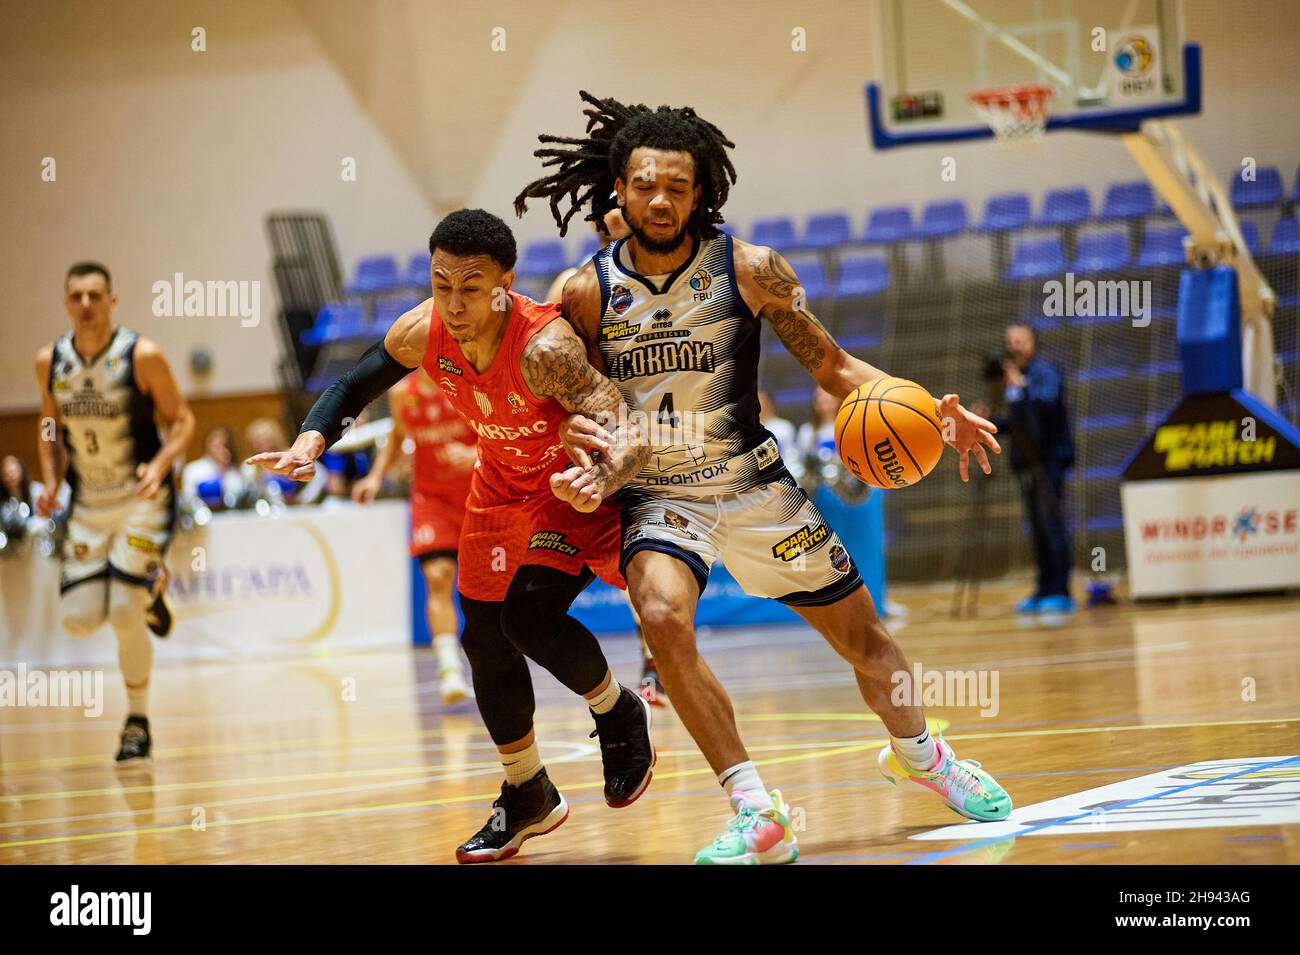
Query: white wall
{"x": 169, "y": 159}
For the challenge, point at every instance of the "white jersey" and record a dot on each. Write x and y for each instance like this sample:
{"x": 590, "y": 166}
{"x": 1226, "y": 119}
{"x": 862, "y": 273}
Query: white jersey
{"x": 108, "y": 422}
{"x": 685, "y": 353}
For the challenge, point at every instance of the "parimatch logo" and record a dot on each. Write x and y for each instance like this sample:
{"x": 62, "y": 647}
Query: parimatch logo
{"x": 551, "y": 540}
{"x": 803, "y": 541}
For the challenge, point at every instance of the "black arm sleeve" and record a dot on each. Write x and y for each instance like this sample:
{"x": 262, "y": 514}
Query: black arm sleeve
{"x": 374, "y": 373}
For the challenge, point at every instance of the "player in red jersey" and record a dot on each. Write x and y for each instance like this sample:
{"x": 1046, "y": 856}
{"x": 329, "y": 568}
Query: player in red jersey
{"x": 514, "y": 369}
{"x": 442, "y": 463}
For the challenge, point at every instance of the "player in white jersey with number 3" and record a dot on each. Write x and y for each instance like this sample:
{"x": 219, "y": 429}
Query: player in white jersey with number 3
{"x": 672, "y": 315}
{"x": 103, "y": 391}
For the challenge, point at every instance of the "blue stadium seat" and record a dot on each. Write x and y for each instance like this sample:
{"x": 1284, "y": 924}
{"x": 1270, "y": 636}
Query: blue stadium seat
{"x": 417, "y": 271}
{"x": 1167, "y": 367}
{"x": 942, "y": 219}
{"x": 1264, "y": 190}
{"x": 1128, "y": 200}
{"x": 1035, "y": 258}
{"x": 827, "y": 231}
{"x": 375, "y": 273}
{"x": 1162, "y": 247}
{"x": 1286, "y": 237}
{"x": 889, "y": 224}
{"x": 391, "y": 307}
{"x": 336, "y": 321}
{"x": 1066, "y": 207}
{"x": 777, "y": 233}
{"x": 543, "y": 258}
{"x": 1005, "y": 212}
{"x": 1250, "y": 232}
{"x": 589, "y": 247}
{"x": 1101, "y": 252}
{"x": 1101, "y": 422}
{"x": 859, "y": 341}
{"x": 1112, "y": 523}
{"x": 860, "y": 275}
{"x": 812, "y": 276}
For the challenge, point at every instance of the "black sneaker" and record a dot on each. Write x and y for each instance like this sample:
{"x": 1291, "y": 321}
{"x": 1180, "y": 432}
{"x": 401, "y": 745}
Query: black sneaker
{"x": 519, "y": 813}
{"x": 158, "y": 616}
{"x": 625, "y": 749}
{"x": 652, "y": 691}
{"x": 135, "y": 740}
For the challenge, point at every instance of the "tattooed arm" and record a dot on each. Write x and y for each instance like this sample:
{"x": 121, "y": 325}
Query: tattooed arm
{"x": 555, "y": 365}
{"x": 772, "y": 291}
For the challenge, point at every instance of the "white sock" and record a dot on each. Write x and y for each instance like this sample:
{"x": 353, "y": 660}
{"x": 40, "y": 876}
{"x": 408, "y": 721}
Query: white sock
{"x": 447, "y": 649}
{"x": 743, "y": 785}
{"x": 605, "y": 700}
{"x": 523, "y": 765}
{"x": 919, "y": 751}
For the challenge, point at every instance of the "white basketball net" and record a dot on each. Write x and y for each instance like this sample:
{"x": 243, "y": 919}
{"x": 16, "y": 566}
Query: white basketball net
{"x": 1016, "y": 114}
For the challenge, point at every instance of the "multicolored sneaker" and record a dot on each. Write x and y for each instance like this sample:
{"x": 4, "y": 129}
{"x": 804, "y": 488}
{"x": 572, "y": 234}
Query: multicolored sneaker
{"x": 961, "y": 783}
{"x": 754, "y": 837}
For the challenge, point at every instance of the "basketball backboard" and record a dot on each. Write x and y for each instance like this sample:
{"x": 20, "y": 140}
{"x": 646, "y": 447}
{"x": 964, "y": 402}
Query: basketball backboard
{"x": 1110, "y": 63}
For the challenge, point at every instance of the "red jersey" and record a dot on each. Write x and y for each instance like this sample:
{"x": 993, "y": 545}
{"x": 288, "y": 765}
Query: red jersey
{"x": 518, "y": 442}
{"x": 433, "y": 424}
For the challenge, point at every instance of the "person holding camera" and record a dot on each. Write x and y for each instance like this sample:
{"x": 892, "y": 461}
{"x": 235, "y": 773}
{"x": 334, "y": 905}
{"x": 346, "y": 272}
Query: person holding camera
{"x": 1042, "y": 451}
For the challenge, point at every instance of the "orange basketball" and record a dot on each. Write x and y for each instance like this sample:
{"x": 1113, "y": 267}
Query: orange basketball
{"x": 889, "y": 433}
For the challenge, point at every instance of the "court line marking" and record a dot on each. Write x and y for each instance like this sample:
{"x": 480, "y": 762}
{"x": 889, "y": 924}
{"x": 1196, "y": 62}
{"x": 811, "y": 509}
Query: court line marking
{"x": 984, "y": 843}
{"x": 688, "y": 793}
{"x": 478, "y": 798}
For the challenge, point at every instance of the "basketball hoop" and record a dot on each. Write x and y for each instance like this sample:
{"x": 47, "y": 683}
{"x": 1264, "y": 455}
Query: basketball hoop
{"x": 1016, "y": 114}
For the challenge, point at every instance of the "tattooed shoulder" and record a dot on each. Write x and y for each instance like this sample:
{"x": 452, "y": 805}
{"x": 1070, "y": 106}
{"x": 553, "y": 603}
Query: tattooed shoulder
{"x": 772, "y": 273}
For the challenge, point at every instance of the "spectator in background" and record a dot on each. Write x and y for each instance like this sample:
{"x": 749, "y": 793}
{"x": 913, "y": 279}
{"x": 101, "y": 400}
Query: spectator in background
{"x": 217, "y": 466}
{"x": 265, "y": 434}
{"x": 1042, "y": 450}
{"x": 17, "y": 486}
{"x": 818, "y": 435}
{"x": 780, "y": 428}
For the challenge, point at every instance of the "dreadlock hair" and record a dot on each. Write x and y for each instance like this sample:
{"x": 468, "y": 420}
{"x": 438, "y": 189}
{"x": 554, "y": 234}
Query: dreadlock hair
{"x": 588, "y": 166}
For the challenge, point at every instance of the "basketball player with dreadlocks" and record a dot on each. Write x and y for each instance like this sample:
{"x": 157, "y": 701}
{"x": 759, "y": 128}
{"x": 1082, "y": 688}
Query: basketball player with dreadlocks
{"x": 651, "y": 687}
{"x": 513, "y": 369}
{"x": 672, "y": 315}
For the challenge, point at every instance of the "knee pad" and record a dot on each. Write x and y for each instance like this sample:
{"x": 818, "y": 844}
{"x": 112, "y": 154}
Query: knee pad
{"x": 537, "y": 605}
{"x": 481, "y": 637}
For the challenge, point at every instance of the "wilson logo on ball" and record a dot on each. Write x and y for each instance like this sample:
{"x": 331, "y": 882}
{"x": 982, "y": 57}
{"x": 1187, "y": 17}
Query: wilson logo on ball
{"x": 888, "y": 433}
{"x": 888, "y": 459}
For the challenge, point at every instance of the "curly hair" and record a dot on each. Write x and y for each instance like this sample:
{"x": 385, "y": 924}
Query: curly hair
{"x": 587, "y": 166}
{"x": 475, "y": 232}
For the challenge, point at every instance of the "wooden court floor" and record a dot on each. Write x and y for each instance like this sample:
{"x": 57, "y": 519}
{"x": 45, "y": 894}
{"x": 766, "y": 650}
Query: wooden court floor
{"x": 268, "y": 762}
